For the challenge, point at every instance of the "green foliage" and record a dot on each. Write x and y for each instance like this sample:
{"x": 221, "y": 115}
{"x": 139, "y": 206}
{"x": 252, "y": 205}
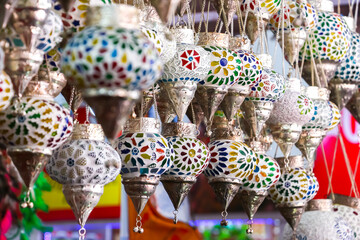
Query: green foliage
{"x": 226, "y": 233}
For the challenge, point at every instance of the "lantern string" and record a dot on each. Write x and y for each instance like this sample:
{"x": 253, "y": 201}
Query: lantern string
{"x": 277, "y": 37}
{"x": 333, "y": 162}
{"x": 207, "y": 19}
{"x": 338, "y": 7}
{"x": 202, "y": 16}
{"x": 356, "y": 12}
{"x": 327, "y": 172}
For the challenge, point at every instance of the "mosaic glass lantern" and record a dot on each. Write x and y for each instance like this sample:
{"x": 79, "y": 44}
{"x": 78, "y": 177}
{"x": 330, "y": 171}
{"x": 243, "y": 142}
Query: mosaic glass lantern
{"x": 111, "y": 63}
{"x": 84, "y": 165}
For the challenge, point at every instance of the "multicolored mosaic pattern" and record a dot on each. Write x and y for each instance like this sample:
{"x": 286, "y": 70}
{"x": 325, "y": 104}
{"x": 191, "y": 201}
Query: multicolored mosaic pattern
{"x": 322, "y": 115}
{"x": 265, "y": 174}
{"x": 41, "y": 123}
{"x": 292, "y": 187}
{"x": 144, "y": 154}
{"x": 190, "y": 63}
{"x": 191, "y": 156}
{"x": 84, "y": 162}
{"x": 231, "y": 159}
{"x": 52, "y": 59}
{"x": 349, "y": 70}
{"x": 6, "y": 90}
{"x": 252, "y": 69}
{"x": 329, "y": 40}
{"x": 260, "y": 6}
{"x": 313, "y": 187}
{"x": 294, "y": 13}
{"x": 351, "y": 216}
{"x": 292, "y": 108}
{"x": 270, "y": 88}
{"x": 225, "y": 67}
{"x": 111, "y": 58}
{"x": 335, "y": 115}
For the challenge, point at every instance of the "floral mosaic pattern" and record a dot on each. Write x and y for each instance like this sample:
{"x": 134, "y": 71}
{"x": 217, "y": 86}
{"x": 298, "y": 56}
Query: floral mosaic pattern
{"x": 144, "y": 154}
{"x": 252, "y": 68}
{"x": 335, "y": 115}
{"x": 190, "y": 63}
{"x": 294, "y": 10}
{"x": 6, "y": 90}
{"x": 111, "y": 58}
{"x": 225, "y": 67}
{"x": 292, "y": 187}
{"x": 343, "y": 229}
{"x": 191, "y": 157}
{"x": 329, "y": 40}
{"x": 231, "y": 159}
{"x": 84, "y": 162}
{"x": 292, "y": 108}
{"x": 322, "y": 115}
{"x": 42, "y": 124}
{"x": 262, "y": 6}
{"x": 265, "y": 174}
{"x": 270, "y": 88}
{"x": 351, "y": 216}
{"x": 313, "y": 187}
{"x": 349, "y": 70}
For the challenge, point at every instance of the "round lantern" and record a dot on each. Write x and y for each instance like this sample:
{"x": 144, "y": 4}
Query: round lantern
{"x": 146, "y": 155}
{"x": 260, "y": 102}
{"x": 288, "y": 116}
{"x": 111, "y": 63}
{"x": 84, "y": 165}
{"x": 191, "y": 157}
{"x": 320, "y": 222}
{"x": 225, "y": 70}
{"x": 6, "y": 91}
{"x": 328, "y": 43}
{"x": 182, "y": 73}
{"x": 348, "y": 208}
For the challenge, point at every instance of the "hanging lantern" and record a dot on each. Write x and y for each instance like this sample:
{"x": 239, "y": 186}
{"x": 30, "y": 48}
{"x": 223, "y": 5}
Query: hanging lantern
{"x": 28, "y": 20}
{"x": 225, "y": 70}
{"x": 250, "y": 75}
{"x": 111, "y": 64}
{"x": 231, "y": 161}
{"x": 191, "y": 157}
{"x": 290, "y": 113}
{"x": 147, "y": 101}
{"x": 344, "y": 84}
{"x": 320, "y": 222}
{"x": 226, "y": 10}
{"x": 312, "y": 132}
{"x": 327, "y": 44}
{"x": 256, "y": 13}
{"x": 182, "y": 73}
{"x": 84, "y": 165}
{"x": 6, "y": 91}
{"x": 260, "y": 102}
{"x": 354, "y": 106}
{"x": 299, "y": 18}
{"x": 255, "y": 187}
{"x": 166, "y": 111}
{"x": 6, "y": 9}
{"x": 145, "y": 155}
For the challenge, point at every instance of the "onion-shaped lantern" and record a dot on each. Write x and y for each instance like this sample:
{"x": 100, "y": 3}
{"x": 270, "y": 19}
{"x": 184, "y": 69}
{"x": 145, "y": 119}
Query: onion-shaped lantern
{"x": 182, "y": 73}
{"x": 191, "y": 157}
{"x": 299, "y": 18}
{"x": 346, "y": 80}
{"x": 145, "y": 156}
{"x": 225, "y": 70}
{"x": 313, "y": 131}
{"x": 326, "y": 46}
{"x": 84, "y": 165}
{"x": 6, "y": 91}
{"x": 111, "y": 63}
{"x": 231, "y": 161}
{"x": 320, "y": 222}
{"x": 257, "y": 13}
{"x": 260, "y": 102}
{"x": 290, "y": 113}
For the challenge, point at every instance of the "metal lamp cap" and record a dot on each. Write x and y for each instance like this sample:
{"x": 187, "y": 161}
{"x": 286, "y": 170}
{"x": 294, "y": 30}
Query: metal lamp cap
{"x": 181, "y": 129}
{"x": 320, "y": 205}
{"x": 88, "y": 131}
{"x": 294, "y": 161}
{"x": 347, "y": 201}
{"x": 183, "y": 35}
{"x": 214, "y": 39}
{"x": 143, "y": 124}
{"x": 317, "y": 93}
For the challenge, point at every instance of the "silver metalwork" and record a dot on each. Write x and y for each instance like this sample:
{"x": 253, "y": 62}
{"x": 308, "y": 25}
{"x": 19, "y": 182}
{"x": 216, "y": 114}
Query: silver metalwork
{"x": 214, "y": 39}
{"x": 341, "y": 92}
{"x": 319, "y": 205}
{"x": 88, "y": 131}
{"x": 181, "y": 129}
{"x": 354, "y": 106}
{"x": 286, "y": 135}
{"x": 143, "y": 124}
{"x": 325, "y": 70}
{"x": 293, "y": 43}
{"x": 308, "y": 142}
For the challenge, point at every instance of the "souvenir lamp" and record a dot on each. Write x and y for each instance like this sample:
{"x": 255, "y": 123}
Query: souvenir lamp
{"x": 299, "y": 18}
{"x": 225, "y": 70}
{"x": 111, "y": 61}
{"x": 348, "y": 208}
{"x": 145, "y": 156}
{"x": 290, "y": 113}
{"x": 320, "y": 222}
{"x": 346, "y": 80}
{"x": 256, "y": 15}
{"x": 84, "y": 165}
{"x": 326, "y": 46}
{"x": 258, "y": 105}
{"x": 231, "y": 162}
{"x": 32, "y": 127}
{"x": 191, "y": 157}
{"x": 255, "y": 187}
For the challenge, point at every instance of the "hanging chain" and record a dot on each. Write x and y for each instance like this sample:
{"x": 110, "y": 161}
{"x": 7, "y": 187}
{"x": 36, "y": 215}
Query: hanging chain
{"x": 82, "y": 233}
{"x": 224, "y": 222}
{"x": 138, "y": 225}
{"x": 250, "y": 229}
{"x": 87, "y": 108}
{"x": 175, "y": 212}
{"x": 27, "y": 201}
